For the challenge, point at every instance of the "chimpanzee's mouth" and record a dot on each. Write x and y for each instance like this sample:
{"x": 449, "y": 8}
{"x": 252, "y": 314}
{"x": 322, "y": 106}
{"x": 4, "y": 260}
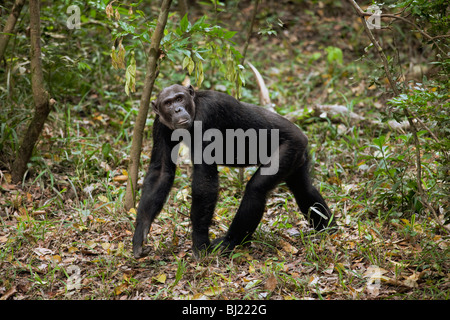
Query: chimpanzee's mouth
{"x": 182, "y": 124}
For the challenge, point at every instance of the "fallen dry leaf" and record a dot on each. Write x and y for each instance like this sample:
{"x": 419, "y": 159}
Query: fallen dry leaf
{"x": 199, "y": 296}
{"x": 330, "y": 269}
{"x": 161, "y": 278}
{"x": 9, "y": 293}
{"x": 121, "y": 288}
{"x": 411, "y": 281}
{"x": 106, "y": 245}
{"x": 213, "y": 291}
{"x": 313, "y": 280}
{"x": 271, "y": 283}
{"x": 121, "y": 178}
{"x": 72, "y": 249}
{"x": 56, "y": 258}
{"x": 42, "y": 251}
{"x": 288, "y": 247}
{"x": 102, "y": 198}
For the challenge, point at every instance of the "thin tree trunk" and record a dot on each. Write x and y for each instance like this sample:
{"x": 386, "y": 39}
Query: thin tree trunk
{"x": 182, "y": 7}
{"x": 40, "y": 97}
{"x": 151, "y": 73}
{"x": 9, "y": 26}
{"x": 249, "y": 34}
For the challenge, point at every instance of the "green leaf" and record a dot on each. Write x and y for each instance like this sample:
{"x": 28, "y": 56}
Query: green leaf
{"x": 229, "y": 34}
{"x": 200, "y": 24}
{"x": 200, "y": 75}
{"x": 334, "y": 54}
{"x": 186, "y": 62}
{"x": 130, "y": 76}
{"x": 83, "y": 66}
{"x": 126, "y": 27}
{"x": 141, "y": 13}
{"x": 379, "y": 142}
{"x": 189, "y": 64}
{"x": 106, "y": 150}
{"x": 184, "y": 23}
{"x": 198, "y": 56}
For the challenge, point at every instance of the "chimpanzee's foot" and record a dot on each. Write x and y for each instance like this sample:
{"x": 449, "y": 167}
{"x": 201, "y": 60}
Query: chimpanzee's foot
{"x": 222, "y": 245}
{"x": 141, "y": 251}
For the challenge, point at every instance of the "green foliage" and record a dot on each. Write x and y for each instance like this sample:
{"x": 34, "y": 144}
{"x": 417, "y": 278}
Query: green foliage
{"x": 394, "y": 184}
{"x": 334, "y": 55}
{"x": 429, "y": 102}
{"x": 433, "y": 12}
{"x": 191, "y": 45}
{"x": 217, "y": 47}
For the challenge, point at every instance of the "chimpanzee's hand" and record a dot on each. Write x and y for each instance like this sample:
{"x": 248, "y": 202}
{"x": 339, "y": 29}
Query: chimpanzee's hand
{"x": 139, "y": 238}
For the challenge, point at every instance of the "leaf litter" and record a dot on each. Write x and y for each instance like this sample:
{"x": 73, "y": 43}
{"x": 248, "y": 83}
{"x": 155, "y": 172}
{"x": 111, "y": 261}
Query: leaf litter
{"x": 55, "y": 247}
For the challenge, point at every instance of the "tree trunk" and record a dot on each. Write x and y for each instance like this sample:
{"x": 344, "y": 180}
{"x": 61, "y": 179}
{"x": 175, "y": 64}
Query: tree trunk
{"x": 136, "y": 145}
{"x": 247, "y": 42}
{"x": 40, "y": 97}
{"x": 182, "y": 7}
{"x": 9, "y": 26}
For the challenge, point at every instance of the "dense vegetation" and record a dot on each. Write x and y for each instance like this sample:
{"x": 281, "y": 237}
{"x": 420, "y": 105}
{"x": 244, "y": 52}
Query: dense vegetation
{"x": 379, "y": 141}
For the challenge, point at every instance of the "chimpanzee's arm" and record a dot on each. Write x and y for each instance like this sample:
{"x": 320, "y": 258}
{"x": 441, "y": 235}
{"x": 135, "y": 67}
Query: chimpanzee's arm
{"x": 157, "y": 184}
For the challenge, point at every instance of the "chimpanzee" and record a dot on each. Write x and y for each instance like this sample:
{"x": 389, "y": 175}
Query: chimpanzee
{"x": 220, "y": 120}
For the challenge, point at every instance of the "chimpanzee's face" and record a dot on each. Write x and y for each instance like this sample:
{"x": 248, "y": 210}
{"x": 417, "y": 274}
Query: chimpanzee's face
{"x": 175, "y": 107}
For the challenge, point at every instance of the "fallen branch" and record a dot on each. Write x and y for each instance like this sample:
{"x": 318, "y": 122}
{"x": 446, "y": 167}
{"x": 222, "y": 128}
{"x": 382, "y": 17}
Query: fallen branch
{"x": 335, "y": 109}
{"x": 264, "y": 98}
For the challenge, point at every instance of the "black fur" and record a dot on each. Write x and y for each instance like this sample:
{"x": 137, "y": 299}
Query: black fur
{"x": 221, "y": 111}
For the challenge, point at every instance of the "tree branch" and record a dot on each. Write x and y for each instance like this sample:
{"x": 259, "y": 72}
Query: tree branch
{"x": 377, "y": 47}
{"x": 40, "y": 96}
{"x": 151, "y": 74}
{"x": 249, "y": 34}
{"x": 250, "y": 31}
{"x": 363, "y": 14}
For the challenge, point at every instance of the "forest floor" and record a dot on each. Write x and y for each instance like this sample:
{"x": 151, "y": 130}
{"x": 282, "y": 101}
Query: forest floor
{"x": 65, "y": 235}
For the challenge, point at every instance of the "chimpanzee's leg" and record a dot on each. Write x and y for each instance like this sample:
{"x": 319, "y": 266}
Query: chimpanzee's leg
{"x": 205, "y": 188}
{"x": 311, "y": 203}
{"x": 253, "y": 203}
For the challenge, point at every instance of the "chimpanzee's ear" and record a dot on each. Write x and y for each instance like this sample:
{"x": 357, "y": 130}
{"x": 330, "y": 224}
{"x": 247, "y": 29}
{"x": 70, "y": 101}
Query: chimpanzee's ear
{"x": 154, "y": 107}
{"x": 191, "y": 91}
